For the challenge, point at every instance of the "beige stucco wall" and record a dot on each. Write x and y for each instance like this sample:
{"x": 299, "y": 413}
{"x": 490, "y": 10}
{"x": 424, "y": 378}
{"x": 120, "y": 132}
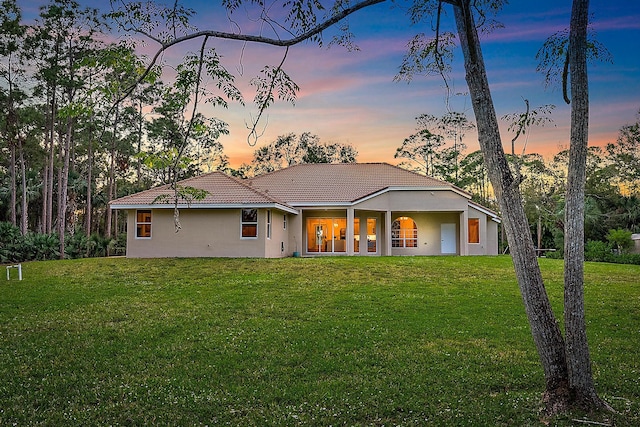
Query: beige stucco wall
{"x": 492, "y": 238}
{"x": 488, "y": 244}
{"x": 409, "y": 200}
{"x": 635, "y": 248}
{"x": 429, "y": 228}
{"x": 205, "y": 233}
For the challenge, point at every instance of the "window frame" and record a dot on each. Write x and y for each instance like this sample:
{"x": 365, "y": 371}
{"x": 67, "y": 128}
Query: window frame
{"x": 144, "y": 223}
{"x": 246, "y": 224}
{"x": 269, "y": 220}
{"x": 475, "y": 229}
{"x": 400, "y": 236}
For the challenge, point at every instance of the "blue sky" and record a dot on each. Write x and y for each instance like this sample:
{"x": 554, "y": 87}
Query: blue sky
{"x": 351, "y": 97}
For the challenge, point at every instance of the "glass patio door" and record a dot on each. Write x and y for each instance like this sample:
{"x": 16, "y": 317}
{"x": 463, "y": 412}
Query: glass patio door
{"x": 326, "y": 235}
{"x": 372, "y": 235}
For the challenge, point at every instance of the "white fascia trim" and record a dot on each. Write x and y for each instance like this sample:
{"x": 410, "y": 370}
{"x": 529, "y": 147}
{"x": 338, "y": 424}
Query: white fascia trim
{"x": 376, "y": 194}
{"x": 386, "y": 190}
{"x": 322, "y": 204}
{"x": 279, "y": 206}
{"x": 485, "y": 211}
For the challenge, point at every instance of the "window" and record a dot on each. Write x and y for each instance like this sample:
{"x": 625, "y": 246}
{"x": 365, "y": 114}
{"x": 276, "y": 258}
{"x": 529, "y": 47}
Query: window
{"x": 284, "y": 221}
{"x": 249, "y": 223}
{"x": 404, "y": 233}
{"x": 474, "y": 230}
{"x": 268, "y": 223}
{"x": 143, "y": 224}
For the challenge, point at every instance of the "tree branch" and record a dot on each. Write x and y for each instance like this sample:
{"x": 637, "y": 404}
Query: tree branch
{"x": 246, "y": 37}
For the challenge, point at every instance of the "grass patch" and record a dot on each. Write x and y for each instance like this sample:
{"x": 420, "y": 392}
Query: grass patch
{"x": 299, "y": 341}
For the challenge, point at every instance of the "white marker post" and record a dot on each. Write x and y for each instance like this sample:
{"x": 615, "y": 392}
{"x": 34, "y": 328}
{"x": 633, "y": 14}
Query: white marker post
{"x": 19, "y": 267}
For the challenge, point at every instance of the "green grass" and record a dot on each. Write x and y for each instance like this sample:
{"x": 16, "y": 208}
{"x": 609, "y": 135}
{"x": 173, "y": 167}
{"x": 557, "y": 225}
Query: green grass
{"x": 326, "y": 341}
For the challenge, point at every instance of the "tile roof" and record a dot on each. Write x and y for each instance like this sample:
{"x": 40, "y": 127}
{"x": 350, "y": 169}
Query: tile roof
{"x": 299, "y": 184}
{"x": 340, "y": 182}
{"x": 222, "y": 190}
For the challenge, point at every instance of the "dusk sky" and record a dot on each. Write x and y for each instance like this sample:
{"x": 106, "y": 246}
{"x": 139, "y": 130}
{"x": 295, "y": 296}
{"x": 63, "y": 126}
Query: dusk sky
{"x": 351, "y": 97}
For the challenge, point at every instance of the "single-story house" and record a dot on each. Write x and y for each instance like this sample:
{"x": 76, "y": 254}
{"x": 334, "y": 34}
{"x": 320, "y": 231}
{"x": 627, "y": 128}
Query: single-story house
{"x": 309, "y": 210}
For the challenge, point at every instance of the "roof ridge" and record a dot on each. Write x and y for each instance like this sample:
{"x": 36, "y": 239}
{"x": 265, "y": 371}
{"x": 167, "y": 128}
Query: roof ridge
{"x": 250, "y": 187}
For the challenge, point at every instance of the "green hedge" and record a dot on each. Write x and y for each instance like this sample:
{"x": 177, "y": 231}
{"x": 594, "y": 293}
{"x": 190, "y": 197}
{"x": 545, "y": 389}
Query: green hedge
{"x": 603, "y": 252}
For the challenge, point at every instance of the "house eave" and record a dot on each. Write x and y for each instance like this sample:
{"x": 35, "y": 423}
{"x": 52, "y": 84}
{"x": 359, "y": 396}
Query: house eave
{"x": 350, "y": 203}
{"x": 278, "y": 206}
{"x": 430, "y": 189}
{"x": 494, "y": 217}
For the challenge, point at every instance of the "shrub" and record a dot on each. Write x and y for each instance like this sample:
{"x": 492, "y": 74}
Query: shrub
{"x": 596, "y": 250}
{"x": 98, "y": 245}
{"x": 554, "y": 254}
{"x": 627, "y": 259}
{"x": 118, "y": 246}
{"x": 621, "y": 239}
{"x": 76, "y": 246}
{"x": 41, "y": 247}
{"x": 10, "y": 243}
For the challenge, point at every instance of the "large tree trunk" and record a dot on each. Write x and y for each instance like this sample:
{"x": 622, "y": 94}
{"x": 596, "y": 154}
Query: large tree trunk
{"x": 544, "y": 327}
{"x": 577, "y": 349}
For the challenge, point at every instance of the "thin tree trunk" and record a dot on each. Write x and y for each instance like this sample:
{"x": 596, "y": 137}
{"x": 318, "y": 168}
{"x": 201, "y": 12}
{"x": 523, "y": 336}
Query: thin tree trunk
{"x": 539, "y": 232}
{"x": 89, "y": 206}
{"x": 11, "y": 126}
{"x": 139, "y": 148}
{"x": 52, "y": 148}
{"x": 112, "y": 167}
{"x": 544, "y": 327}
{"x": 577, "y": 348}
{"x": 63, "y": 186}
{"x": 24, "y": 218}
{"x": 12, "y": 176}
{"x": 45, "y": 176}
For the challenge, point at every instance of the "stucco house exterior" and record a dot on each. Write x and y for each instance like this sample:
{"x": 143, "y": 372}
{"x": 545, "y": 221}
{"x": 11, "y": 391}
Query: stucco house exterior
{"x": 312, "y": 210}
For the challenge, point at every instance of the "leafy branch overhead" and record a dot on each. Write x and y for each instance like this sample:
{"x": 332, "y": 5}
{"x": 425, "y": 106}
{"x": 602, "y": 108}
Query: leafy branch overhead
{"x": 553, "y": 58}
{"x": 170, "y": 26}
{"x": 185, "y": 193}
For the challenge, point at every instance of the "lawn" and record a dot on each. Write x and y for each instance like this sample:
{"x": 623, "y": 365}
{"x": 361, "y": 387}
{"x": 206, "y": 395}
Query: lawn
{"x": 298, "y": 341}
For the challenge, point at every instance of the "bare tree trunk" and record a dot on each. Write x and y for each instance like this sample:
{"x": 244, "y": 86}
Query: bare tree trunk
{"x": 63, "y": 186}
{"x": 50, "y": 168}
{"x": 12, "y": 175}
{"x": 139, "y": 149}
{"x": 45, "y": 177}
{"x": 89, "y": 206}
{"x": 544, "y": 327}
{"x": 539, "y": 231}
{"x": 24, "y": 218}
{"x": 112, "y": 177}
{"x": 577, "y": 348}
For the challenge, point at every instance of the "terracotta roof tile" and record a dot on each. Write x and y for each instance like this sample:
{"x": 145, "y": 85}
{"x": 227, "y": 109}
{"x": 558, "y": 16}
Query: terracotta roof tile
{"x": 222, "y": 189}
{"x": 306, "y": 183}
{"x": 341, "y": 182}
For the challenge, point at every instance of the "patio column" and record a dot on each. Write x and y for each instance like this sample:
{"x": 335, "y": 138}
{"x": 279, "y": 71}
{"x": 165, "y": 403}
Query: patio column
{"x": 464, "y": 232}
{"x": 387, "y": 233}
{"x": 349, "y": 237}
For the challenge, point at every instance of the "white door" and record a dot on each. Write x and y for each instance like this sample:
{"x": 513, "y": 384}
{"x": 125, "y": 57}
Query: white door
{"x": 448, "y": 239}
